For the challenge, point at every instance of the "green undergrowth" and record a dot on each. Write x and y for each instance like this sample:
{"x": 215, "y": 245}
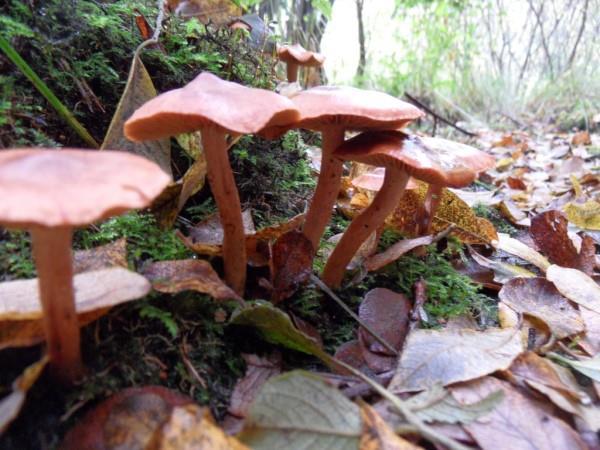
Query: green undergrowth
{"x": 493, "y": 215}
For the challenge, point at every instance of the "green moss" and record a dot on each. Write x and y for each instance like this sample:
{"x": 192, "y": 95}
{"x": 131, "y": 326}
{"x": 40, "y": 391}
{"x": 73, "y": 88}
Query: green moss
{"x": 493, "y": 215}
{"x": 15, "y": 256}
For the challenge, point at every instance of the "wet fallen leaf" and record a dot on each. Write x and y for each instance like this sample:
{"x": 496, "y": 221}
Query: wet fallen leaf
{"x": 394, "y": 252}
{"x": 517, "y": 248}
{"x": 19, "y": 300}
{"x": 517, "y": 423}
{"x": 292, "y": 258}
{"x": 11, "y": 405}
{"x": 377, "y": 435}
{"x": 192, "y": 428}
{"x": 218, "y": 12}
{"x": 431, "y": 357}
{"x": 351, "y": 353}
{"x": 299, "y": 410}
{"x": 503, "y": 272}
{"x": 109, "y": 255}
{"x": 584, "y": 215}
{"x": 138, "y": 90}
{"x": 539, "y": 298}
{"x": 576, "y": 286}
{"x": 188, "y": 275}
{"x": 127, "y": 420}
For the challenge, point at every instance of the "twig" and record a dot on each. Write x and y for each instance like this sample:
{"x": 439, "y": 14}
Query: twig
{"x": 421, "y": 427}
{"x": 352, "y": 314}
{"x": 436, "y": 115}
{"x": 159, "y": 20}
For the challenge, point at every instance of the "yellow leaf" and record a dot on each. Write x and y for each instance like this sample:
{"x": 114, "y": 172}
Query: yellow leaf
{"x": 378, "y": 435}
{"x": 584, "y": 215}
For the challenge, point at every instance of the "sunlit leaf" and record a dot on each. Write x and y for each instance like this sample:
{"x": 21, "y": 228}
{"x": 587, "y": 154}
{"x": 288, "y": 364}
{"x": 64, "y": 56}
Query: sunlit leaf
{"x": 576, "y": 286}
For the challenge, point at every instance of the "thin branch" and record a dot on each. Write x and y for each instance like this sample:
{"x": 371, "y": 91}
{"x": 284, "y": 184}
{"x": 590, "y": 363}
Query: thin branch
{"x": 579, "y": 35}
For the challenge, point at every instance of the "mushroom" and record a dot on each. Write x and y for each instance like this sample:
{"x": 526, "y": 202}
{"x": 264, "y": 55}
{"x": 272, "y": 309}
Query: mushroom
{"x": 472, "y": 158}
{"x": 215, "y": 107}
{"x": 402, "y": 156}
{"x": 295, "y": 56}
{"x": 332, "y": 111}
{"x": 50, "y": 192}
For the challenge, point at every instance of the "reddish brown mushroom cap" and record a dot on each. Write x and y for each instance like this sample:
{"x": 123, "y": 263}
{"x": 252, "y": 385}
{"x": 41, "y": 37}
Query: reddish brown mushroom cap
{"x": 207, "y": 100}
{"x": 444, "y": 163}
{"x": 69, "y": 187}
{"x": 299, "y": 55}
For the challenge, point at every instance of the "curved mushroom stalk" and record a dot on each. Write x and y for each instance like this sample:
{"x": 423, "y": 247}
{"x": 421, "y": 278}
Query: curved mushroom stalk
{"x": 430, "y": 206}
{"x": 366, "y": 223}
{"x": 292, "y": 72}
{"x": 222, "y": 184}
{"x": 328, "y": 187}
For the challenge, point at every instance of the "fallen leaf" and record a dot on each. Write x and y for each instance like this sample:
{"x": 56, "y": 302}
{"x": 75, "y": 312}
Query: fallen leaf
{"x": 584, "y": 215}
{"x": 127, "y": 420}
{"x": 591, "y": 340}
{"x": 377, "y": 435}
{"x": 192, "y": 428}
{"x": 258, "y": 371}
{"x": 581, "y": 138}
{"x": 218, "y": 12}
{"x": 351, "y": 353}
{"x": 188, "y": 275}
{"x": 517, "y": 248}
{"x": 431, "y": 357}
{"x": 511, "y": 212}
{"x": 576, "y": 286}
{"x": 503, "y": 272}
{"x": 517, "y": 423}
{"x": 299, "y": 410}
{"x": 105, "y": 256}
{"x": 516, "y": 183}
{"x": 138, "y": 90}
{"x": 19, "y": 300}
{"x": 394, "y": 252}
{"x": 589, "y": 367}
{"x": 539, "y": 298}
{"x": 11, "y": 404}
{"x": 292, "y": 258}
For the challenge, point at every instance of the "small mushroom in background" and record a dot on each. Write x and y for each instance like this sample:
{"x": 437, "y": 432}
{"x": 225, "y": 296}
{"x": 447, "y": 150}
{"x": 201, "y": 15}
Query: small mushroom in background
{"x": 259, "y": 35}
{"x": 50, "y": 192}
{"x": 333, "y": 111}
{"x": 296, "y": 56}
{"x": 216, "y": 108}
{"x": 402, "y": 156}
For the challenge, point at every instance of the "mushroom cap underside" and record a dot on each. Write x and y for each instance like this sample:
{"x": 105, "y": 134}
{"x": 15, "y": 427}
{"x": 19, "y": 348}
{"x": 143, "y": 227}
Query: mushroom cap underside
{"x": 299, "y": 55}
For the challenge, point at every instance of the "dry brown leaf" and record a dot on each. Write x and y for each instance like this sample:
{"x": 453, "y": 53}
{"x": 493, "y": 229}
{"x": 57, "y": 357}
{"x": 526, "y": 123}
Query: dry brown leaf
{"x": 19, "y": 300}
{"x": 109, "y": 255}
{"x": 377, "y": 435}
{"x": 581, "y": 138}
{"x": 539, "y": 298}
{"x": 127, "y": 420}
{"x": 352, "y": 354}
{"x": 517, "y": 423}
{"x": 192, "y": 428}
{"x": 517, "y": 248}
{"x": 444, "y": 357}
{"x": 188, "y": 275}
{"x": 576, "y": 286}
{"x": 218, "y": 12}
{"x": 516, "y": 183}
{"x": 292, "y": 260}
{"x": 11, "y": 405}
{"x": 591, "y": 340}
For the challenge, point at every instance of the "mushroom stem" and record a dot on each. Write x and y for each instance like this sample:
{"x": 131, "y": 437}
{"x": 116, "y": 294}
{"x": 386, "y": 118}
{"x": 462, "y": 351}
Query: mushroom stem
{"x": 328, "y": 186}
{"x": 53, "y": 260}
{"x": 292, "y": 72}
{"x": 366, "y": 223}
{"x": 222, "y": 184}
{"x": 431, "y": 204}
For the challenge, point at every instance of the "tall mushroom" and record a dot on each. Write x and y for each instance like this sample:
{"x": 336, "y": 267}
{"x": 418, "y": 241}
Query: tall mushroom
{"x": 216, "y": 108}
{"x": 402, "y": 156}
{"x": 50, "y": 192}
{"x": 332, "y": 111}
{"x": 295, "y": 56}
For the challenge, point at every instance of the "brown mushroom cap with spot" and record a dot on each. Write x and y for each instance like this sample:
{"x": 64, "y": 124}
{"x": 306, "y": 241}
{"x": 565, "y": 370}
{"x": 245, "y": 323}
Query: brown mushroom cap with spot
{"x": 332, "y": 111}
{"x": 215, "y": 107}
{"x": 295, "y": 56}
{"x": 49, "y": 192}
{"x": 402, "y": 156}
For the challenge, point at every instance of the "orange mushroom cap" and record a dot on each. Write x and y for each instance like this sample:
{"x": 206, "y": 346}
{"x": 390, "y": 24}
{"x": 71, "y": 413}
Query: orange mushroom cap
{"x": 70, "y": 187}
{"x": 209, "y": 101}
{"x": 444, "y": 163}
{"x": 299, "y": 55}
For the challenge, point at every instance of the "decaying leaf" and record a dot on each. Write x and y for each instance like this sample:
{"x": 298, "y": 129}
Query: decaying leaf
{"x": 591, "y": 340}
{"x": 292, "y": 258}
{"x": 11, "y": 405}
{"x": 218, "y": 12}
{"x": 432, "y": 357}
{"x": 503, "y": 272}
{"x": 351, "y": 353}
{"x": 299, "y": 410}
{"x": 589, "y": 367}
{"x": 517, "y": 248}
{"x": 19, "y": 300}
{"x": 188, "y": 275}
{"x": 576, "y": 286}
{"x": 109, "y": 255}
{"x": 138, "y": 90}
{"x": 584, "y": 215}
{"x": 539, "y": 298}
{"x": 377, "y": 435}
{"x": 394, "y": 252}
{"x": 192, "y": 428}
{"x": 127, "y": 420}
{"x": 517, "y": 423}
